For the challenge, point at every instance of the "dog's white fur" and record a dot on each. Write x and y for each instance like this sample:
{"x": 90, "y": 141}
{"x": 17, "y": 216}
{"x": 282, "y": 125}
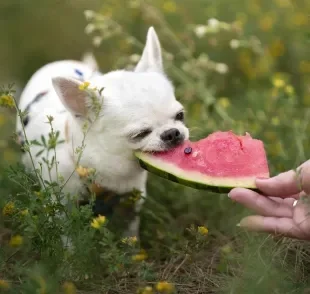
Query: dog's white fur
{"x": 132, "y": 102}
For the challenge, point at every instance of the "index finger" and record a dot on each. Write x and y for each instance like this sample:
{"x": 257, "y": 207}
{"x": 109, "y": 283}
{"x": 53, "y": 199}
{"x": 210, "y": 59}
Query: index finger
{"x": 282, "y": 185}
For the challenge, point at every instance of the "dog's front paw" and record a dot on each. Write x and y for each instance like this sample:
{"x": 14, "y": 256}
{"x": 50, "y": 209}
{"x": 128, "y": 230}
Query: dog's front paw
{"x": 133, "y": 228}
{"x": 67, "y": 243}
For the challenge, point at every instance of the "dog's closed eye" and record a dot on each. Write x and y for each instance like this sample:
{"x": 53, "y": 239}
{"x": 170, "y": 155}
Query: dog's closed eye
{"x": 180, "y": 116}
{"x": 142, "y": 134}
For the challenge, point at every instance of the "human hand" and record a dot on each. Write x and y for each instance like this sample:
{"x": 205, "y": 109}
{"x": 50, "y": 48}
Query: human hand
{"x": 283, "y": 204}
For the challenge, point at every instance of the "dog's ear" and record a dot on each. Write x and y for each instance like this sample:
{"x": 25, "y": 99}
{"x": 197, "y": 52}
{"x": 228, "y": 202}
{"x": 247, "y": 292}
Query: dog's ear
{"x": 151, "y": 59}
{"x": 69, "y": 92}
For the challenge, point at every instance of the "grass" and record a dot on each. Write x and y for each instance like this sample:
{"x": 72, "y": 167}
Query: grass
{"x": 263, "y": 92}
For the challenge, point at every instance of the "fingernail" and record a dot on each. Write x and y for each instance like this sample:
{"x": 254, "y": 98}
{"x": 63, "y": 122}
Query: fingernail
{"x": 294, "y": 203}
{"x": 232, "y": 200}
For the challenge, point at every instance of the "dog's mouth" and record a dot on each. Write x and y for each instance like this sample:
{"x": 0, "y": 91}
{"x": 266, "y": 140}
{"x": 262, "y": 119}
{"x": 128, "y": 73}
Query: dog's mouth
{"x": 163, "y": 147}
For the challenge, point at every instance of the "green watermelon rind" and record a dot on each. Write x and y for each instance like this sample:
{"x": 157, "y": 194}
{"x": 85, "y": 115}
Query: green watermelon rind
{"x": 190, "y": 179}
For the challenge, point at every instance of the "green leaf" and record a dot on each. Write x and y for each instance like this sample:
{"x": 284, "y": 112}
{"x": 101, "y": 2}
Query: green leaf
{"x": 35, "y": 142}
{"x": 43, "y": 140}
{"x": 39, "y": 153}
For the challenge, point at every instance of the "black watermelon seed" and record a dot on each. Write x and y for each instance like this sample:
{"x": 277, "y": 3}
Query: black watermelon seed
{"x": 188, "y": 150}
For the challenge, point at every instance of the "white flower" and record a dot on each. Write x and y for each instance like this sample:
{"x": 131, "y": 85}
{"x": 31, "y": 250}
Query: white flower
{"x": 89, "y": 28}
{"x": 134, "y": 3}
{"x": 134, "y": 58}
{"x": 97, "y": 41}
{"x": 186, "y": 66}
{"x": 203, "y": 59}
{"x": 225, "y": 26}
{"x": 212, "y": 22}
{"x": 130, "y": 67}
{"x": 89, "y": 14}
{"x": 234, "y": 44}
{"x": 131, "y": 40}
{"x": 169, "y": 56}
{"x": 221, "y": 68}
{"x": 200, "y": 30}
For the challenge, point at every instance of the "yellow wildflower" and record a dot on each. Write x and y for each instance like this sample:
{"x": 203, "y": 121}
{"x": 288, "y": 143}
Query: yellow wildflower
{"x": 226, "y": 249}
{"x": 306, "y": 99}
{"x": 8, "y": 209}
{"x": 300, "y": 19}
{"x": 283, "y": 3}
{"x": 130, "y": 240}
{"x": 16, "y": 241}
{"x": 38, "y": 194}
{"x": 69, "y": 288}
{"x": 169, "y": 6}
{"x": 165, "y": 287}
{"x": 278, "y": 83}
{"x": 224, "y": 102}
{"x": 275, "y": 121}
{"x": 271, "y": 136}
{"x": 246, "y": 65}
{"x": 4, "y": 285}
{"x": 277, "y": 48}
{"x": 7, "y": 100}
{"x": 275, "y": 149}
{"x": 140, "y": 256}
{"x": 242, "y": 17}
{"x": 304, "y": 66}
{"x": 135, "y": 196}
{"x": 202, "y": 230}
{"x": 146, "y": 290}
{"x": 289, "y": 90}
{"x": 42, "y": 283}
{"x": 266, "y": 23}
{"x": 254, "y": 8}
{"x": 3, "y": 119}
{"x": 84, "y": 86}
{"x": 82, "y": 171}
{"x": 98, "y": 222}
{"x": 24, "y": 212}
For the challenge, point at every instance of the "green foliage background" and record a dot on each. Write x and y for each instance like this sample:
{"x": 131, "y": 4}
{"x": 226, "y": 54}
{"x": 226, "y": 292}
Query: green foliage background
{"x": 264, "y": 92}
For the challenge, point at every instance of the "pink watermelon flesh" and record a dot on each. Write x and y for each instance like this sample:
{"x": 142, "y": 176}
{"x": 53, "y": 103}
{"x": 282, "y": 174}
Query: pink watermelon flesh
{"x": 222, "y": 159}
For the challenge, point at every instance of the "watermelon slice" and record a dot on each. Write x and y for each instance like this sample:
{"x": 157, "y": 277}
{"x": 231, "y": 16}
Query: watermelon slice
{"x": 218, "y": 163}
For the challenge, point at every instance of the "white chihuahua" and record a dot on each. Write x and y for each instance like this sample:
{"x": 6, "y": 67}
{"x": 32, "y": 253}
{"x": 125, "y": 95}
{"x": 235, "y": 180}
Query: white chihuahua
{"x": 139, "y": 112}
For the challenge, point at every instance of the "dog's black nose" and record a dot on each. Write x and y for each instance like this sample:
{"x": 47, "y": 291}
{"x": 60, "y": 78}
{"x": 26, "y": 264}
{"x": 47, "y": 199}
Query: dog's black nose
{"x": 172, "y": 137}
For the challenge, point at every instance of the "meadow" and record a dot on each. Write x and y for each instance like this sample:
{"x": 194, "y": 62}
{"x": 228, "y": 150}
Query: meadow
{"x": 236, "y": 65}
